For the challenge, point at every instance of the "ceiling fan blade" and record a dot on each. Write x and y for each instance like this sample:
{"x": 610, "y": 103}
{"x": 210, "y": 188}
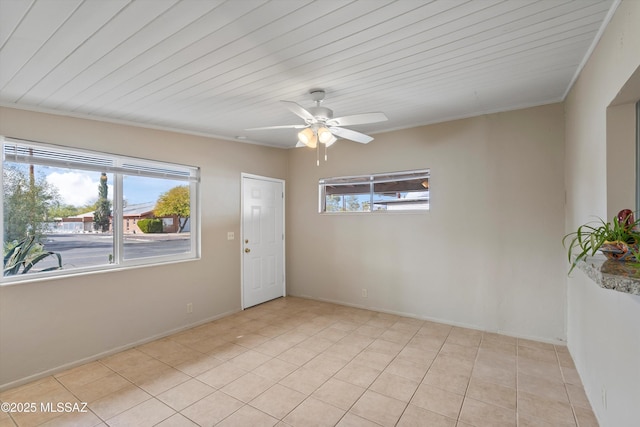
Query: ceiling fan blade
{"x": 298, "y": 110}
{"x": 279, "y": 127}
{"x": 300, "y": 144}
{"x": 351, "y": 134}
{"x": 357, "y": 119}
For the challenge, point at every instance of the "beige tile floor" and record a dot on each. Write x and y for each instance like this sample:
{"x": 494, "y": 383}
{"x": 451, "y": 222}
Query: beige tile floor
{"x": 302, "y": 363}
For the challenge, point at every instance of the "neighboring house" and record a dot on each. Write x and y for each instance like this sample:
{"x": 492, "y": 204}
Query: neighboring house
{"x": 82, "y": 223}
{"x": 412, "y": 201}
{"x": 131, "y": 214}
{"x": 134, "y": 213}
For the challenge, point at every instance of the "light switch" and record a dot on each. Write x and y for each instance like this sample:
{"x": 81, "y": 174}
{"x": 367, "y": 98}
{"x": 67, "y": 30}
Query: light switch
{"x": 230, "y": 235}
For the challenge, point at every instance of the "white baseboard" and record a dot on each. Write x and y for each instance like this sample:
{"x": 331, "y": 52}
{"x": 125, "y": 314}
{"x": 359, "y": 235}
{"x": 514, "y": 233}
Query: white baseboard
{"x": 110, "y": 352}
{"x": 435, "y": 319}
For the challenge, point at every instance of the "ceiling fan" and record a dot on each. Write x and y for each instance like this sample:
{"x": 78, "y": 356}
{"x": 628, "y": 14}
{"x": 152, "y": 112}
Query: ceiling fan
{"x": 321, "y": 128}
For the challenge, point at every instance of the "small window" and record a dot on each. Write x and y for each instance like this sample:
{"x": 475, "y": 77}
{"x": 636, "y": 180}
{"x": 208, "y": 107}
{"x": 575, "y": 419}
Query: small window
{"x": 78, "y": 205}
{"x": 394, "y": 191}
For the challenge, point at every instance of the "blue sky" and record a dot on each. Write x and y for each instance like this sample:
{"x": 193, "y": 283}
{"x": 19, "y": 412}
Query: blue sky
{"x": 79, "y": 188}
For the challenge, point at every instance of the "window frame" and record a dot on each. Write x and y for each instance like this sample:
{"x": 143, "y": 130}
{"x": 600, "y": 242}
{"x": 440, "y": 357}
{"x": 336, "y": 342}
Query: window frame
{"x": 119, "y": 165}
{"x": 371, "y": 180}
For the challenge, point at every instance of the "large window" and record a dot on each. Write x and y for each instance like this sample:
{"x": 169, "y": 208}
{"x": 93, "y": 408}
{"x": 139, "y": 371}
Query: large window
{"x": 67, "y": 210}
{"x": 394, "y": 191}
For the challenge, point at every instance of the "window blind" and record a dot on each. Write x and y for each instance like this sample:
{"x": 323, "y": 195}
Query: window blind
{"x": 26, "y": 152}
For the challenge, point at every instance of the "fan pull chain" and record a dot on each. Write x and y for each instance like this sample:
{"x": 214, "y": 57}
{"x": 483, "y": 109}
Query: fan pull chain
{"x": 318, "y": 154}
{"x": 325, "y": 152}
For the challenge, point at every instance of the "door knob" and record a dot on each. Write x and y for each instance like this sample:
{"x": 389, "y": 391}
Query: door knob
{"x": 247, "y": 250}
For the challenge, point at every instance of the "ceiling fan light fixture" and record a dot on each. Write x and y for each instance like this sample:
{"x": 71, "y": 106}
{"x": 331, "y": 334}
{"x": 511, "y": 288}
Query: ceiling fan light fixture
{"x": 308, "y": 137}
{"x": 331, "y": 140}
{"x": 325, "y": 135}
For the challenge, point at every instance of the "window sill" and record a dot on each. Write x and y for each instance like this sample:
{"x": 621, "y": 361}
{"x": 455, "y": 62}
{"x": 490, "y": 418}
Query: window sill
{"x": 615, "y": 275}
{"x": 66, "y": 274}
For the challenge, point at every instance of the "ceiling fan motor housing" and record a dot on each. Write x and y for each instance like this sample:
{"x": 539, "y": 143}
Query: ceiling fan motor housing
{"x": 321, "y": 114}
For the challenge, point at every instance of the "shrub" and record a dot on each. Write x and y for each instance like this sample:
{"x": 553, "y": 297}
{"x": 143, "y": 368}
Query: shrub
{"x": 21, "y": 256}
{"x": 150, "y": 225}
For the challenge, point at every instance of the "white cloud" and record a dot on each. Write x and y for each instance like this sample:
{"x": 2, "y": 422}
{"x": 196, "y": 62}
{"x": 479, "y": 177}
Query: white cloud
{"x": 76, "y": 188}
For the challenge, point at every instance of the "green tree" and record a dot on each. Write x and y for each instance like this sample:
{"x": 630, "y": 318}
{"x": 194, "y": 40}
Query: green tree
{"x": 176, "y": 201}
{"x": 353, "y": 205}
{"x": 333, "y": 203}
{"x": 102, "y": 212}
{"x": 27, "y": 199}
{"x": 58, "y": 210}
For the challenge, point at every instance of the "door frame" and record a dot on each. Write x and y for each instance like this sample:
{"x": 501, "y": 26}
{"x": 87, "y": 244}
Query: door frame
{"x": 244, "y": 175}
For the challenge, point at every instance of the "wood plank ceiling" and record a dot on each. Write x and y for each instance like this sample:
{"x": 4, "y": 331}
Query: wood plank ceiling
{"x": 216, "y": 67}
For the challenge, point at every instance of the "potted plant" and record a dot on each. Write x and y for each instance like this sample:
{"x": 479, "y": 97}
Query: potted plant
{"x": 617, "y": 239}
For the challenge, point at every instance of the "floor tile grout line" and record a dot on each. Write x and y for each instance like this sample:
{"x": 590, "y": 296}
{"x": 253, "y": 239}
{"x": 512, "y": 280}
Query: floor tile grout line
{"x": 78, "y": 397}
{"x": 353, "y": 331}
{"x": 475, "y": 360}
{"x": 310, "y": 395}
{"x": 378, "y": 376}
{"x": 136, "y": 385}
{"x": 220, "y": 390}
{"x": 425, "y": 375}
{"x": 351, "y": 360}
{"x": 278, "y": 382}
{"x": 421, "y": 381}
{"x": 564, "y": 384}
{"x": 566, "y": 390}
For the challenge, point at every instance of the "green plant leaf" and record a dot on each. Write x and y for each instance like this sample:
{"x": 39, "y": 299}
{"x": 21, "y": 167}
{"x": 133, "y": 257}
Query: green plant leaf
{"x": 25, "y": 254}
{"x": 589, "y": 238}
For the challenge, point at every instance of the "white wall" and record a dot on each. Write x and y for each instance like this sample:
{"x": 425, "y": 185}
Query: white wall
{"x": 48, "y": 324}
{"x": 487, "y": 255}
{"x": 621, "y": 158}
{"x": 603, "y": 326}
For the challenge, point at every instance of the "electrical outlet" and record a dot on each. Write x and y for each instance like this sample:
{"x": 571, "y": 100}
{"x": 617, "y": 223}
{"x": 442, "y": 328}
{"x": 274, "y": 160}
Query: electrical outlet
{"x": 231, "y": 235}
{"x": 365, "y": 294}
{"x": 190, "y": 308}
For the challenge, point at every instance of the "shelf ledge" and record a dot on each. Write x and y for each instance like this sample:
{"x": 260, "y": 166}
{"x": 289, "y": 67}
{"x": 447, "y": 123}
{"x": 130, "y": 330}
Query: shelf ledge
{"x": 616, "y": 275}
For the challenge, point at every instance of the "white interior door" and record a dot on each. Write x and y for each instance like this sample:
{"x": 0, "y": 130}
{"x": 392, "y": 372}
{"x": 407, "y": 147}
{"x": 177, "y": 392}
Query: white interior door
{"x": 262, "y": 240}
